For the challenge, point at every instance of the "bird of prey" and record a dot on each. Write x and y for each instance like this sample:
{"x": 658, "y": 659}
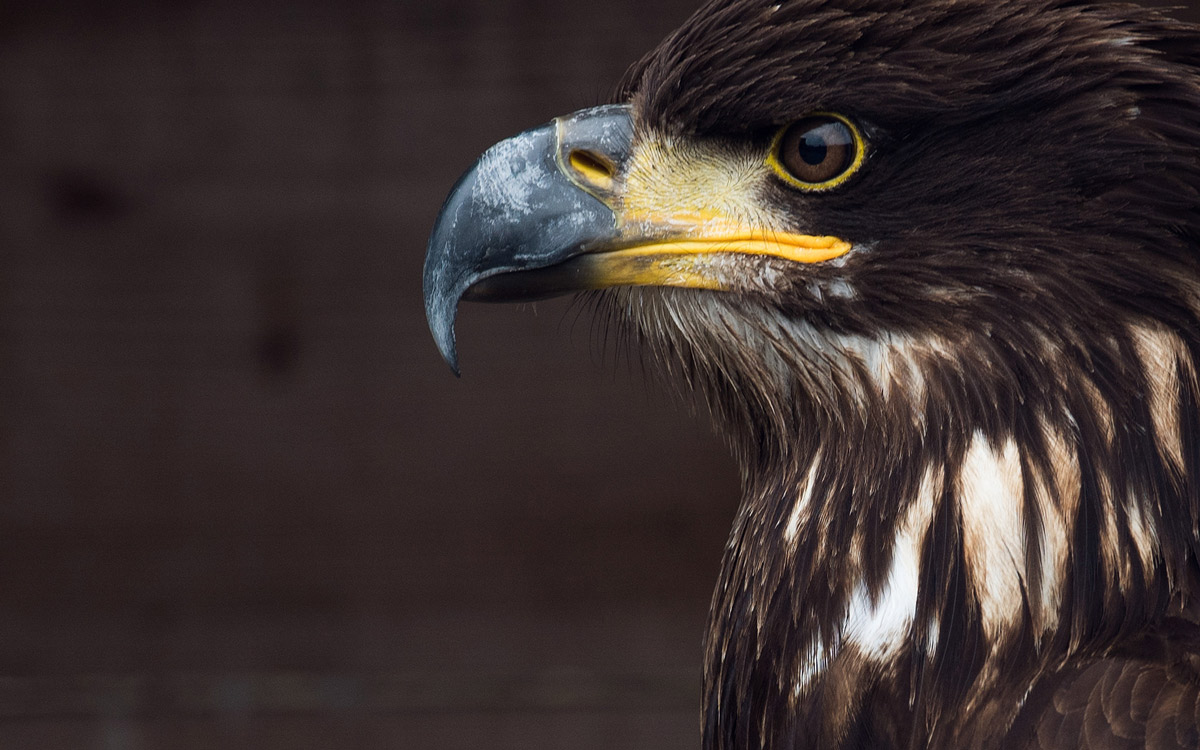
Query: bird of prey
{"x": 935, "y": 265}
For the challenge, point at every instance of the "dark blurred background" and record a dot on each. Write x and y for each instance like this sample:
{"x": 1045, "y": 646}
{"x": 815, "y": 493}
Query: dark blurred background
{"x": 243, "y": 503}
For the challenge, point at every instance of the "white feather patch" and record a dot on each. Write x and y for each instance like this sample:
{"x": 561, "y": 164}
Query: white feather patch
{"x": 879, "y": 626}
{"x": 1160, "y": 351}
{"x": 1145, "y": 537}
{"x": 992, "y": 504}
{"x": 891, "y": 360}
{"x": 1057, "y": 498}
{"x": 800, "y": 509}
{"x": 815, "y": 660}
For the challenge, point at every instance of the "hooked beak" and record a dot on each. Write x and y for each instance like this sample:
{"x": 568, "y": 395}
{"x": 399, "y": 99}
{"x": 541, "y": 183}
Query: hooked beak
{"x": 545, "y": 213}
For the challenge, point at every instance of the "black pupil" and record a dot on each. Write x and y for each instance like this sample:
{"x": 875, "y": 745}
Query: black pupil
{"x": 813, "y": 148}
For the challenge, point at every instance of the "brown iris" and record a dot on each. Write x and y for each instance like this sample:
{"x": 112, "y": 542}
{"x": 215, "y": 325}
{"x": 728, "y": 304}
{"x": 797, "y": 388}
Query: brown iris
{"x": 818, "y": 150}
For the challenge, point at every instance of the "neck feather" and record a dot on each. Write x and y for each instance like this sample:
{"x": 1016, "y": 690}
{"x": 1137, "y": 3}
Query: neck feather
{"x": 930, "y": 524}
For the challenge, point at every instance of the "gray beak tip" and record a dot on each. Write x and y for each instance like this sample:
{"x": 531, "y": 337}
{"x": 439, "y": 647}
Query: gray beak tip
{"x": 441, "y": 308}
{"x": 450, "y": 356}
{"x": 445, "y": 344}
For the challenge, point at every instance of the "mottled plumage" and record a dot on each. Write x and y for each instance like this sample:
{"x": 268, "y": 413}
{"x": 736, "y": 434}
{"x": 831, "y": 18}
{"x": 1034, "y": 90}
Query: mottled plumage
{"x": 971, "y": 445}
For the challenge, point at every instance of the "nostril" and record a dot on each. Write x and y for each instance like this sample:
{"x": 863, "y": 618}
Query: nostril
{"x": 593, "y": 168}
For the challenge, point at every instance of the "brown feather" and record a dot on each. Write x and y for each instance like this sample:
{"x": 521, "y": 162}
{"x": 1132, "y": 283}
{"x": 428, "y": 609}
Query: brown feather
{"x": 1021, "y": 311}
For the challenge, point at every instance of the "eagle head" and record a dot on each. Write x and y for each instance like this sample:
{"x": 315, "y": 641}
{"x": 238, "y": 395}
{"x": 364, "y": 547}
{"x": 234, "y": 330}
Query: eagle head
{"x": 935, "y": 266}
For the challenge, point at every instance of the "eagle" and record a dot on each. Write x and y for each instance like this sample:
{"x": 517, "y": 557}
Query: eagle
{"x": 934, "y": 265}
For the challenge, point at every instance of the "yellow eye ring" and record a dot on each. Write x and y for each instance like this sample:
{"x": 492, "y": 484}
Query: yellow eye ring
{"x": 818, "y": 152}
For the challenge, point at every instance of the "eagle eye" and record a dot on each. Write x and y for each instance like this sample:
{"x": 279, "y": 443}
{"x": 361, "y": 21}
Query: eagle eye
{"x": 817, "y": 152}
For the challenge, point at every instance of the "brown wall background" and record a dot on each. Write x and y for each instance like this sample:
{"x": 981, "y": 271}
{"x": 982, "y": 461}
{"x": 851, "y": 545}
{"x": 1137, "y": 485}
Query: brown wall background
{"x": 242, "y": 501}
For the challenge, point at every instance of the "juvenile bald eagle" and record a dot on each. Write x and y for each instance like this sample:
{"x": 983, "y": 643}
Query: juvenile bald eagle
{"x": 935, "y": 265}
